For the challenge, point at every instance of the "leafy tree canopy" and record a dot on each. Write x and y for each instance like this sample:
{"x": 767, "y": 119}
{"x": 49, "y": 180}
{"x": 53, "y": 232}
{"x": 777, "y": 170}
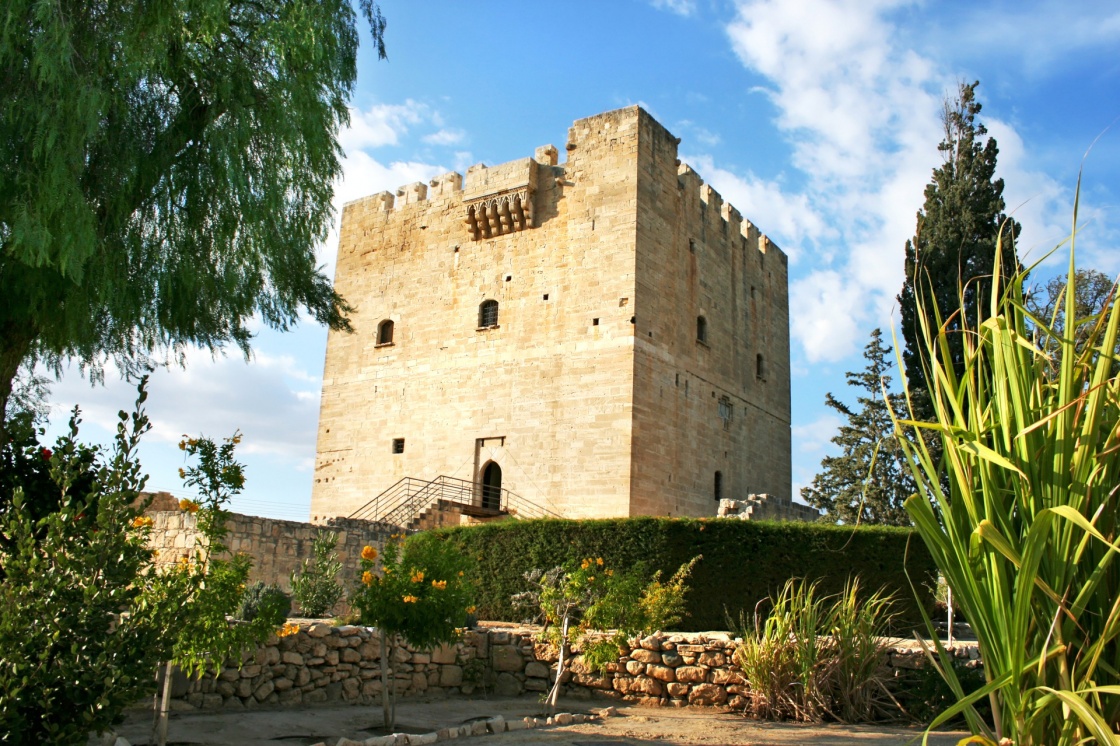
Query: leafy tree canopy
{"x": 869, "y": 481}
{"x": 1092, "y": 297}
{"x": 950, "y": 260}
{"x": 166, "y": 171}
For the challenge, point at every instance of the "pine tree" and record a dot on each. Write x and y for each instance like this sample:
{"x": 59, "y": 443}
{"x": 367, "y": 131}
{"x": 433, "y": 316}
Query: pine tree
{"x": 869, "y": 481}
{"x": 950, "y": 260}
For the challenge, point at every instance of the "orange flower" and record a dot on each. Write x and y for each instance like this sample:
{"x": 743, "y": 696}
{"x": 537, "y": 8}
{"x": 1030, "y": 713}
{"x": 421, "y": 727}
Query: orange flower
{"x": 369, "y": 553}
{"x": 367, "y": 577}
{"x": 460, "y": 573}
{"x": 288, "y": 630}
{"x": 141, "y": 521}
{"x": 417, "y": 576}
{"x": 470, "y": 609}
{"x": 585, "y": 564}
{"x": 409, "y": 599}
{"x": 609, "y": 573}
{"x": 439, "y": 585}
{"x": 188, "y": 505}
{"x": 599, "y": 561}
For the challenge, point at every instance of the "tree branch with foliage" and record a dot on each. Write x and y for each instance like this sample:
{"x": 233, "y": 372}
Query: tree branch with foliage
{"x": 869, "y": 481}
{"x": 166, "y": 172}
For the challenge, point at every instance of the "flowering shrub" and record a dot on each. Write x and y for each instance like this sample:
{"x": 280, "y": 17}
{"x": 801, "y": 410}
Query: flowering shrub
{"x": 420, "y": 594}
{"x": 85, "y": 617}
{"x": 584, "y": 597}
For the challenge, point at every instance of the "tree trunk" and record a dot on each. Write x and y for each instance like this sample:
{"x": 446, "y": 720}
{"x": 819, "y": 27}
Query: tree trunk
{"x": 159, "y": 727}
{"x": 14, "y": 346}
{"x": 389, "y": 715}
{"x": 555, "y": 693}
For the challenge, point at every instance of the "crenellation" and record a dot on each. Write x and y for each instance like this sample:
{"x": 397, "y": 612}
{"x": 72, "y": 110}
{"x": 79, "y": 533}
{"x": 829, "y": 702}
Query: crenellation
{"x": 445, "y": 185}
{"x": 410, "y": 194}
{"x": 546, "y": 155}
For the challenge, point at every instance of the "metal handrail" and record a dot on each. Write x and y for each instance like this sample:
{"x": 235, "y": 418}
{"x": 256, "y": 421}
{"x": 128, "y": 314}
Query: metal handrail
{"x": 404, "y": 503}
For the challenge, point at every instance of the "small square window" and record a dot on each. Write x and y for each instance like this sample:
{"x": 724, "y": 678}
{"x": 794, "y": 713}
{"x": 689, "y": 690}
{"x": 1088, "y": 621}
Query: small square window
{"x": 545, "y": 296}
{"x": 594, "y": 322}
{"x": 398, "y": 445}
{"x": 509, "y": 277}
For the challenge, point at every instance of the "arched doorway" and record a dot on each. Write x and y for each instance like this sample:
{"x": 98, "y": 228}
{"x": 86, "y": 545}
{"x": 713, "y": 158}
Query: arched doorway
{"x": 492, "y": 486}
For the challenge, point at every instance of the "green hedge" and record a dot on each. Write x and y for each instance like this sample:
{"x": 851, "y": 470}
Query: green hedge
{"x": 743, "y": 563}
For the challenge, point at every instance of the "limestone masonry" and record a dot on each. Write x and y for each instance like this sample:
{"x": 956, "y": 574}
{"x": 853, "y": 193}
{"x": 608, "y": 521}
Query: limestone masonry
{"x": 602, "y": 337}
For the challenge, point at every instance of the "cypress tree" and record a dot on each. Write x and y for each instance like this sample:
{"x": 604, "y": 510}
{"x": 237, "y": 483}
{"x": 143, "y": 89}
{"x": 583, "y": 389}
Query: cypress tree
{"x": 950, "y": 260}
{"x": 869, "y": 481}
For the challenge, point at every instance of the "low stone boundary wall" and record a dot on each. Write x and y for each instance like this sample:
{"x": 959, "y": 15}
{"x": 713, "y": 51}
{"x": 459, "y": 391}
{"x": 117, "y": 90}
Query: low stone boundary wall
{"x": 323, "y": 663}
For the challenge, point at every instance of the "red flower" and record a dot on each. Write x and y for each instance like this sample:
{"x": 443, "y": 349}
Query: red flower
{"x": 45, "y": 453}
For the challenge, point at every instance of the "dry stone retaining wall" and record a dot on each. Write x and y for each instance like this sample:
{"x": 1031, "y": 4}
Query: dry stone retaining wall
{"x": 323, "y": 663}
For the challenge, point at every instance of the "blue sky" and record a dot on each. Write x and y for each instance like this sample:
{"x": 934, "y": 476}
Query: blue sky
{"x": 818, "y": 120}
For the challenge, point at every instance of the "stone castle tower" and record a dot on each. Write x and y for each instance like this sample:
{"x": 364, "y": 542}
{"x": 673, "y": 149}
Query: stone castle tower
{"x": 602, "y": 337}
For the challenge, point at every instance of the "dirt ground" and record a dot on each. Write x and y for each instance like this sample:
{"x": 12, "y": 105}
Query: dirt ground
{"x": 632, "y": 725}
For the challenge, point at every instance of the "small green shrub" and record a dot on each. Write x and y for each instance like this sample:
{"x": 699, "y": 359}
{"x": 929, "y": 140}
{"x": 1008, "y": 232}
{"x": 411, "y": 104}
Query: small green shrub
{"x": 264, "y": 599}
{"x": 314, "y": 586}
{"x": 923, "y": 693}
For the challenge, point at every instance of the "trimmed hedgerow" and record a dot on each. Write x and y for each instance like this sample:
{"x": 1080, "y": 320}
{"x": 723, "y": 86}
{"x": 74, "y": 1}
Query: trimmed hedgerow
{"x": 743, "y": 563}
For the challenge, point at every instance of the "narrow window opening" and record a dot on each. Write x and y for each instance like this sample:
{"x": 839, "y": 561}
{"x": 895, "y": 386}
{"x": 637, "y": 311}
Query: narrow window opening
{"x": 725, "y": 411}
{"x": 701, "y": 329}
{"x": 678, "y": 379}
{"x": 594, "y": 322}
{"x": 385, "y": 332}
{"x": 456, "y": 249}
{"x": 718, "y": 486}
{"x": 398, "y": 445}
{"x": 509, "y": 277}
{"x": 488, "y": 314}
{"x": 760, "y": 367}
{"x": 692, "y": 246}
{"x": 545, "y": 296}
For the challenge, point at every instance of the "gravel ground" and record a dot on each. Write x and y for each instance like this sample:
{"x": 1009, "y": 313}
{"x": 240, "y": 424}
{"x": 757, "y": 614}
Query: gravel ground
{"x": 632, "y": 725}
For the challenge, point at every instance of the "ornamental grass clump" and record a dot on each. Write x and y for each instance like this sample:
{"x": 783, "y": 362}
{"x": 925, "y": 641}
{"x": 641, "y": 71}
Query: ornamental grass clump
{"x": 1026, "y": 530}
{"x": 818, "y": 657}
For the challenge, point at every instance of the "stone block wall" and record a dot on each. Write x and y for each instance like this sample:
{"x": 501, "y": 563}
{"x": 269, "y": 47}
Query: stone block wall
{"x": 278, "y": 547}
{"x": 322, "y": 663}
{"x": 767, "y": 508}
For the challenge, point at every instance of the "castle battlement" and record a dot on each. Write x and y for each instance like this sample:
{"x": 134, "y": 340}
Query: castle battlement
{"x": 605, "y": 336}
{"x": 503, "y": 199}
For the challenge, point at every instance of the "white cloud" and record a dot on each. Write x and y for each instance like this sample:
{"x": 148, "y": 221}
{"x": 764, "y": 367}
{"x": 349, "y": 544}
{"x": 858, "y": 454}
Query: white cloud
{"x": 765, "y": 203}
{"x": 445, "y": 137}
{"x": 273, "y": 401}
{"x": 815, "y": 436}
{"x": 861, "y": 111}
{"x": 861, "y": 114}
{"x": 382, "y": 124}
{"x": 680, "y": 7}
